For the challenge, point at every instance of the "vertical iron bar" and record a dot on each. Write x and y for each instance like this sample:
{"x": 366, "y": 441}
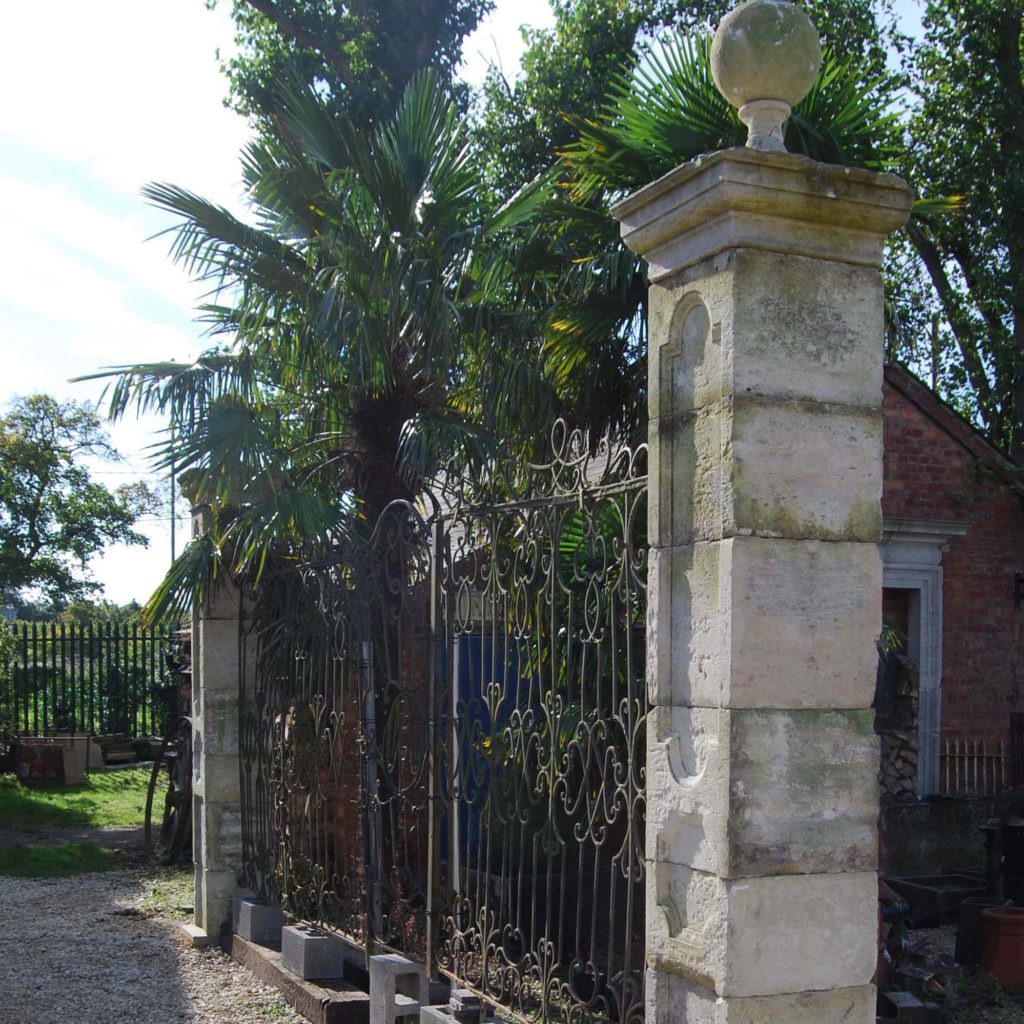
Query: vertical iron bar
{"x": 433, "y": 759}
{"x": 23, "y": 674}
{"x": 108, "y": 682}
{"x": 141, "y": 636}
{"x": 41, "y": 722}
{"x": 131, "y": 663}
{"x": 62, "y": 684}
{"x": 93, "y": 724}
{"x": 84, "y": 723}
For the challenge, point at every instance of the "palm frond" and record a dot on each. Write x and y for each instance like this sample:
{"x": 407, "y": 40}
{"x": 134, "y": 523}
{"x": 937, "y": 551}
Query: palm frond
{"x": 188, "y": 580}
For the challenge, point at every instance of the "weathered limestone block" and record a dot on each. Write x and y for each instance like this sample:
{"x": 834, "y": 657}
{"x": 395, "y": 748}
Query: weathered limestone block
{"x": 220, "y": 726}
{"x": 761, "y": 792}
{"x": 222, "y": 827}
{"x": 750, "y": 465}
{"x": 755, "y": 622}
{"x": 218, "y": 658}
{"x": 213, "y": 898}
{"x": 762, "y": 936}
{"x": 765, "y": 323}
{"x": 673, "y": 1000}
{"x": 222, "y": 603}
{"x": 774, "y": 202}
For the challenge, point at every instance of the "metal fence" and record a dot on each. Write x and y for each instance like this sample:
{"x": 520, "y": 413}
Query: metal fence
{"x": 971, "y": 767}
{"x": 443, "y": 737}
{"x": 102, "y": 678}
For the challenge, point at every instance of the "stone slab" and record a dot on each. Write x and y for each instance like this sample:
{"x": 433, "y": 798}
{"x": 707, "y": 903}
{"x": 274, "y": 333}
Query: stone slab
{"x": 76, "y": 757}
{"x": 762, "y": 936}
{"x": 778, "y": 202}
{"x": 329, "y": 1001}
{"x": 748, "y": 793}
{"x": 772, "y": 623}
{"x": 312, "y": 954}
{"x": 750, "y": 466}
{"x": 196, "y": 937}
{"x": 672, "y": 1000}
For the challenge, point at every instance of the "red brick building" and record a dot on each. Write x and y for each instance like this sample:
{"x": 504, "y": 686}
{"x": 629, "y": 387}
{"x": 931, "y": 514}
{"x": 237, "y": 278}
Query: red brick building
{"x": 953, "y": 541}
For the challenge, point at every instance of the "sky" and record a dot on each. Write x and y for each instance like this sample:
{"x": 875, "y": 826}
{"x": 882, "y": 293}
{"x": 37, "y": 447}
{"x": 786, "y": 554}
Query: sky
{"x": 100, "y": 98}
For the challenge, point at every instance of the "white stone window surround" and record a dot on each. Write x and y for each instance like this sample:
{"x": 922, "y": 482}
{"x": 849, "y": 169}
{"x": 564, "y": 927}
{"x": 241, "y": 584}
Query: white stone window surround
{"x": 911, "y": 552}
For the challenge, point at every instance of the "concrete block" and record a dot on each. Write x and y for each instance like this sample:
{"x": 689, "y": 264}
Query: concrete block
{"x": 748, "y": 793}
{"x": 311, "y": 953}
{"x": 753, "y": 622}
{"x": 256, "y": 920}
{"x": 672, "y": 999}
{"x": 437, "y": 1015}
{"x": 398, "y": 988}
{"x": 762, "y": 936}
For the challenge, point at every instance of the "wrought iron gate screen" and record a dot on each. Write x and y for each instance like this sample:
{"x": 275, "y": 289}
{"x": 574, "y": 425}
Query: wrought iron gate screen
{"x": 443, "y": 736}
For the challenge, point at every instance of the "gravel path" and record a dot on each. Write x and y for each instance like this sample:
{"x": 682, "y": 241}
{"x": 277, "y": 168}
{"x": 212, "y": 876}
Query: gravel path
{"x": 87, "y": 949}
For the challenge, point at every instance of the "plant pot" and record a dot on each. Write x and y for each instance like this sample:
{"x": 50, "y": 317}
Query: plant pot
{"x": 969, "y": 931}
{"x": 1002, "y": 949}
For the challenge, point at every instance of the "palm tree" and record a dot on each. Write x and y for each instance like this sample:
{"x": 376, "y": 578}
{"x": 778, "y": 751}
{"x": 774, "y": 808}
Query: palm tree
{"x": 362, "y": 307}
{"x": 662, "y": 113}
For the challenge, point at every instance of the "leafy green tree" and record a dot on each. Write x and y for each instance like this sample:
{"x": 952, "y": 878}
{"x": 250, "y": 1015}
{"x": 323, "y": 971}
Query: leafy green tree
{"x": 53, "y": 516}
{"x": 85, "y": 611}
{"x": 968, "y": 139}
{"x": 360, "y": 53}
{"x": 362, "y": 300}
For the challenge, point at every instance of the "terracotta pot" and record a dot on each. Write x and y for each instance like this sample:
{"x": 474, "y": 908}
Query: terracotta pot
{"x": 969, "y": 931}
{"x": 1002, "y": 949}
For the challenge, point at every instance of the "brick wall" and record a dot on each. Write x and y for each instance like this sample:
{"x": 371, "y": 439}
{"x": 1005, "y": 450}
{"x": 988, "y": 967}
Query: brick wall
{"x": 936, "y": 468}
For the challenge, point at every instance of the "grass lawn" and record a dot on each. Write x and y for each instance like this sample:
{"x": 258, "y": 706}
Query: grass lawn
{"x": 55, "y": 861}
{"x": 106, "y": 798}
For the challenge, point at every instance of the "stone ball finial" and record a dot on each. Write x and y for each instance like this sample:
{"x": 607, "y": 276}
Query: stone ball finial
{"x": 764, "y": 58}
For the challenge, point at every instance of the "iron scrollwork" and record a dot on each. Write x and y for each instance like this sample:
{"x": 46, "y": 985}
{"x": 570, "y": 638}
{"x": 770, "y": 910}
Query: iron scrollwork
{"x": 443, "y": 735}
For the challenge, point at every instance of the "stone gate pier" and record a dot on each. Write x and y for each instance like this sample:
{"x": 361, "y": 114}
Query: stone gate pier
{"x": 217, "y": 641}
{"x": 765, "y": 389}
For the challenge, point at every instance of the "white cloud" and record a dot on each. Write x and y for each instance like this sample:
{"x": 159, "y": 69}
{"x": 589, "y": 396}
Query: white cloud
{"x": 98, "y": 100}
{"x": 129, "y": 89}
